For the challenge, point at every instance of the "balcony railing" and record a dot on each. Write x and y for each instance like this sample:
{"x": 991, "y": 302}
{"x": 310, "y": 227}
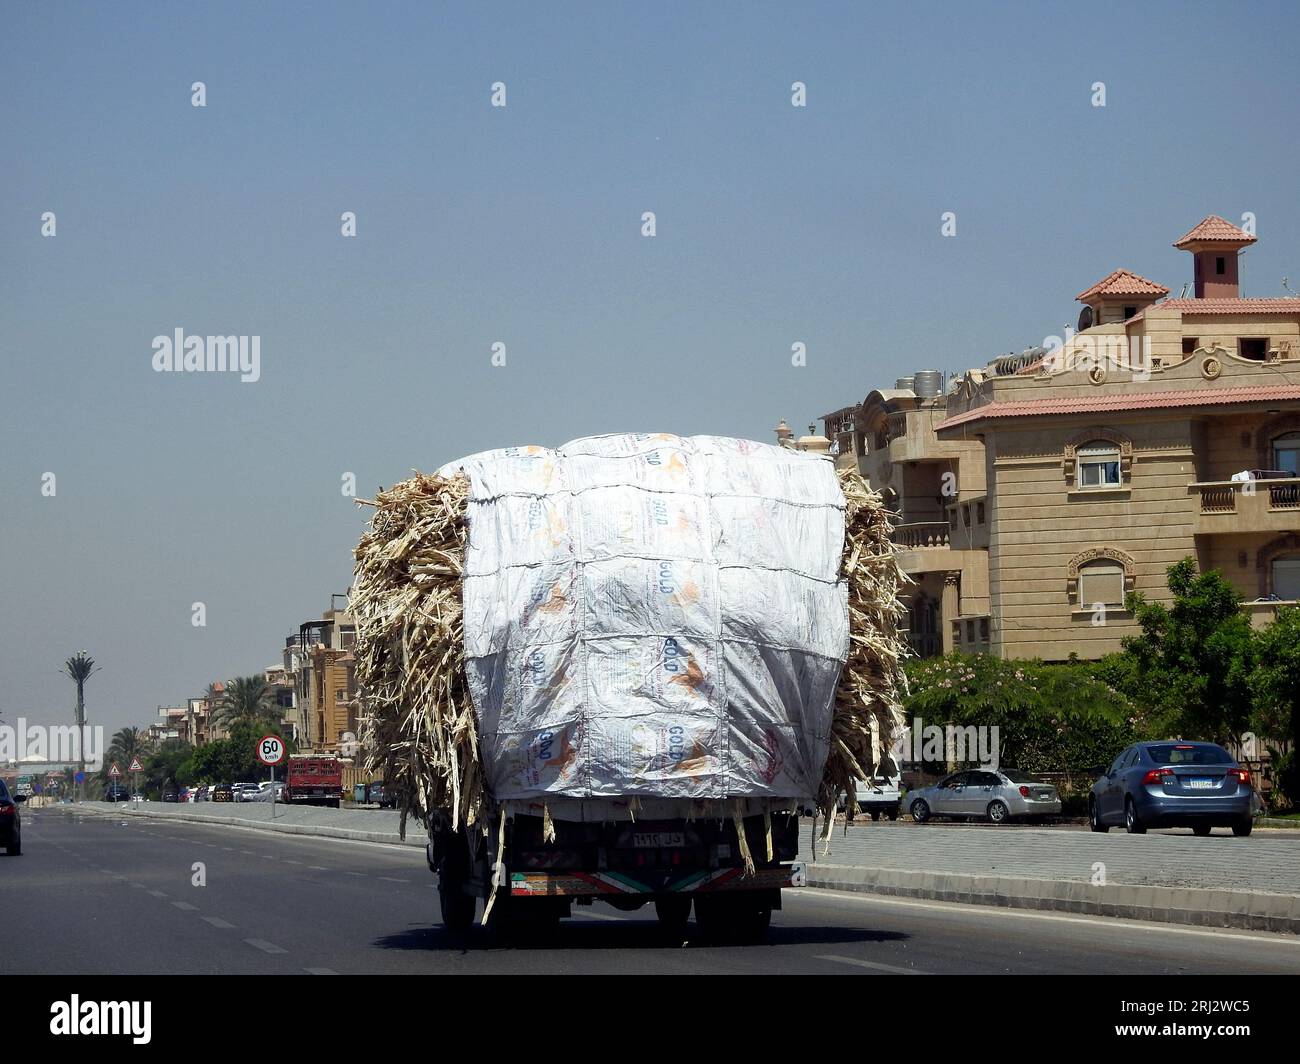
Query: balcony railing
{"x": 1247, "y": 505}
{"x": 922, "y": 534}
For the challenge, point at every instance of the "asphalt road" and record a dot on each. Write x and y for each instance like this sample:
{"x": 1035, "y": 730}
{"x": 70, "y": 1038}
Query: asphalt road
{"x": 102, "y": 895}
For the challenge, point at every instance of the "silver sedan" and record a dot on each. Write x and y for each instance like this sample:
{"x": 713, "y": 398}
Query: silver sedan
{"x": 996, "y": 795}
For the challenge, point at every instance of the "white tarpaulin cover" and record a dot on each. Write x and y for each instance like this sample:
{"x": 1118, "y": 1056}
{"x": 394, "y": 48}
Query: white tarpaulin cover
{"x": 653, "y": 615}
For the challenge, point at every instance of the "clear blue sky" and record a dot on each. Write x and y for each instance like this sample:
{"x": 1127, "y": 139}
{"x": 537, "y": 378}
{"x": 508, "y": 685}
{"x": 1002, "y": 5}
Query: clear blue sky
{"x": 522, "y": 225}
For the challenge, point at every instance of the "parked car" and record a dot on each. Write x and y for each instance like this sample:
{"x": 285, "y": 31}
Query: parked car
{"x": 879, "y": 796}
{"x": 1173, "y": 784}
{"x": 385, "y": 799}
{"x": 201, "y": 794}
{"x": 171, "y": 795}
{"x": 245, "y": 792}
{"x": 11, "y": 824}
{"x": 223, "y": 792}
{"x": 987, "y": 794}
{"x": 117, "y": 792}
{"x": 137, "y": 797}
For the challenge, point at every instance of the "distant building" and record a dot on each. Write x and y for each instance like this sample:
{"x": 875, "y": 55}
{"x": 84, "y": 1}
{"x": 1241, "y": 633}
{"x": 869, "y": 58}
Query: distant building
{"x": 321, "y": 660}
{"x": 1035, "y": 492}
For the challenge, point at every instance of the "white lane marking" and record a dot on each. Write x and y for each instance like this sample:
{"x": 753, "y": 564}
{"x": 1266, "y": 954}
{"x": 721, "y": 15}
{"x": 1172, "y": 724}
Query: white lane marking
{"x": 250, "y": 853}
{"x": 138, "y": 886}
{"x": 600, "y": 916}
{"x": 320, "y": 971}
{"x": 264, "y": 946}
{"x": 1115, "y": 923}
{"x": 290, "y": 860}
{"x": 362, "y": 874}
{"x": 873, "y": 965}
{"x": 158, "y": 893}
{"x": 390, "y": 879}
{"x": 185, "y": 906}
{"x": 216, "y": 921}
{"x": 317, "y": 868}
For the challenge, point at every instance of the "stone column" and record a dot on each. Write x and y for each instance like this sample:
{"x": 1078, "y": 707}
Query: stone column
{"x": 950, "y": 608}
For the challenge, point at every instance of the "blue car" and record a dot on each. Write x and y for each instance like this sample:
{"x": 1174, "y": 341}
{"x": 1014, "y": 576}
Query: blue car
{"x": 1173, "y": 784}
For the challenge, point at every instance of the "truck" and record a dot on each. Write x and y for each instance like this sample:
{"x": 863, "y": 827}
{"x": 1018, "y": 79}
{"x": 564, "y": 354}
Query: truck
{"x": 635, "y": 698}
{"x": 672, "y": 862}
{"x": 313, "y": 779}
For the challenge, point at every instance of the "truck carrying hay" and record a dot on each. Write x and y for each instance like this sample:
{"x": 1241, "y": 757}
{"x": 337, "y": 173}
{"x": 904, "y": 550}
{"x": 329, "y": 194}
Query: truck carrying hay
{"x": 635, "y": 629}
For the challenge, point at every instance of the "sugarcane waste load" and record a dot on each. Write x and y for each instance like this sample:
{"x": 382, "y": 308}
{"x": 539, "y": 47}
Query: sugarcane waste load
{"x": 630, "y": 618}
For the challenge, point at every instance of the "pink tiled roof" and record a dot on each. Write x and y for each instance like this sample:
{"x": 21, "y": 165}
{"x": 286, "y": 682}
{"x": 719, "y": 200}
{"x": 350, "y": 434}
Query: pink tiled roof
{"x": 1100, "y": 404}
{"x": 1123, "y": 283}
{"x": 1225, "y": 306}
{"x": 1214, "y": 230}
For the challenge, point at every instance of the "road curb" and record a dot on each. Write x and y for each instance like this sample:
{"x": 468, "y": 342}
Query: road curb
{"x": 317, "y": 830}
{"x": 1247, "y": 910}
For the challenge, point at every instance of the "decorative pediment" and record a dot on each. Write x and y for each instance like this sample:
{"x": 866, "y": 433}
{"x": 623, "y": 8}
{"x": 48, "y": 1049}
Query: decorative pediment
{"x": 1097, "y": 554}
{"x": 1087, "y": 436}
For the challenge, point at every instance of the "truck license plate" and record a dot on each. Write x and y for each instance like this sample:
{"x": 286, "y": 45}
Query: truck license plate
{"x": 651, "y": 840}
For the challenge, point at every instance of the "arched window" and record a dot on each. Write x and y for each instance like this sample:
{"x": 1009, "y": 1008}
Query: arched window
{"x": 1286, "y": 453}
{"x": 1286, "y": 577}
{"x": 1098, "y": 465}
{"x": 1101, "y": 581}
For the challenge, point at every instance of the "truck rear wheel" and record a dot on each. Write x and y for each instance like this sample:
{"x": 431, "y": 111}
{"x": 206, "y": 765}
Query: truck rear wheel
{"x": 674, "y": 913}
{"x": 457, "y": 907}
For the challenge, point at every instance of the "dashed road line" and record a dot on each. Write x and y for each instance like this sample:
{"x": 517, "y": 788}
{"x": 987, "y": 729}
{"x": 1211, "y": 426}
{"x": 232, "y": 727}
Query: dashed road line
{"x": 264, "y": 946}
{"x": 185, "y": 906}
{"x": 158, "y": 893}
{"x": 216, "y": 921}
{"x": 320, "y": 971}
{"x": 875, "y": 966}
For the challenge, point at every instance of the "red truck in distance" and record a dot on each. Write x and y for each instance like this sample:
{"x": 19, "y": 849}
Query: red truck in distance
{"x": 313, "y": 779}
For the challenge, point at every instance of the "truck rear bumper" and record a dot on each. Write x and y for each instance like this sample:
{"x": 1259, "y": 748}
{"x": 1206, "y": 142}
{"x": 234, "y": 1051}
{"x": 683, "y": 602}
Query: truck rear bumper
{"x": 591, "y": 884}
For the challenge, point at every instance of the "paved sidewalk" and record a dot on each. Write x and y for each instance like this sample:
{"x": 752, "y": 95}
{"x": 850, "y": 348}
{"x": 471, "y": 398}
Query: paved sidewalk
{"x": 1218, "y": 881}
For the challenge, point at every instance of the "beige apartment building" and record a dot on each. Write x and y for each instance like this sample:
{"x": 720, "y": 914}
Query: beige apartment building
{"x": 1035, "y": 492}
{"x": 320, "y": 658}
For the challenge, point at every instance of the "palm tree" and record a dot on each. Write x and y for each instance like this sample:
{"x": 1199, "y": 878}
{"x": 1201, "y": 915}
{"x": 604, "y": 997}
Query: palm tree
{"x": 128, "y": 743}
{"x": 79, "y": 668}
{"x": 246, "y": 698}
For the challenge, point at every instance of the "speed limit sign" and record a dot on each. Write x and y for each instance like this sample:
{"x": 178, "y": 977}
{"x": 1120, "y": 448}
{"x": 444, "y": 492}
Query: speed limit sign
{"x": 270, "y": 749}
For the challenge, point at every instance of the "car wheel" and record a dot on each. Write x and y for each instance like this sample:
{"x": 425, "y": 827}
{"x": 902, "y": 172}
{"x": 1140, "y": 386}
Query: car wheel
{"x": 1200, "y": 829}
{"x": 998, "y": 812}
{"x": 1094, "y": 817}
{"x": 920, "y": 811}
{"x": 1132, "y": 824}
{"x": 1242, "y": 827}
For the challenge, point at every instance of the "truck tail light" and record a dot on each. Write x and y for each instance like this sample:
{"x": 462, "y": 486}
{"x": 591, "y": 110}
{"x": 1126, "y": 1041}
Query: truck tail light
{"x": 1157, "y": 775}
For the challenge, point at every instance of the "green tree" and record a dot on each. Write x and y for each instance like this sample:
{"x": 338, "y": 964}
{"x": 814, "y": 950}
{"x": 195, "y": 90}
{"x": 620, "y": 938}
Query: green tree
{"x": 1192, "y": 663}
{"x": 246, "y": 699}
{"x": 126, "y": 744}
{"x": 1275, "y": 684}
{"x": 233, "y": 760}
{"x": 168, "y": 766}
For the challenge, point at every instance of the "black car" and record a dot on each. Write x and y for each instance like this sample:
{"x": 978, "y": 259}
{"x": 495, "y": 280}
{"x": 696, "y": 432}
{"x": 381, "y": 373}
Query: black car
{"x": 11, "y": 825}
{"x": 116, "y": 792}
{"x": 223, "y": 792}
{"x": 171, "y": 795}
